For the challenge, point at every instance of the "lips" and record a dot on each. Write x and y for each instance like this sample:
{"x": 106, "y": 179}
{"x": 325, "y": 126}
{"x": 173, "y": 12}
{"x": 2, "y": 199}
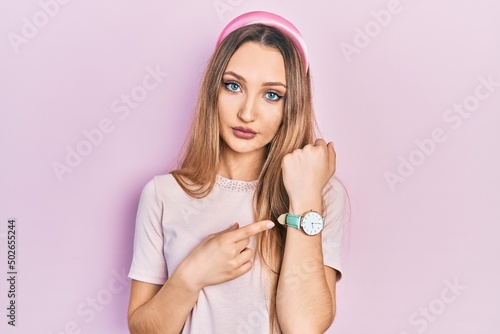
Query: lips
{"x": 243, "y": 133}
{"x": 245, "y": 130}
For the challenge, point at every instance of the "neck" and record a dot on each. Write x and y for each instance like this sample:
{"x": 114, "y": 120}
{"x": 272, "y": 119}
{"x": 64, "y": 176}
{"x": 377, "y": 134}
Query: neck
{"x": 241, "y": 166}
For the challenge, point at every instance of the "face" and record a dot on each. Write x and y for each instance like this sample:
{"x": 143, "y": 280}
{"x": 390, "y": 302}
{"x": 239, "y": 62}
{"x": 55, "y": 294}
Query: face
{"x": 251, "y": 98}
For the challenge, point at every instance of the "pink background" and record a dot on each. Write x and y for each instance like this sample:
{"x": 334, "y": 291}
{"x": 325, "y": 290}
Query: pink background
{"x": 436, "y": 227}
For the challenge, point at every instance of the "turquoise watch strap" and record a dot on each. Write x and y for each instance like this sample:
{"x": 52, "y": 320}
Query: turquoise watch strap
{"x": 293, "y": 221}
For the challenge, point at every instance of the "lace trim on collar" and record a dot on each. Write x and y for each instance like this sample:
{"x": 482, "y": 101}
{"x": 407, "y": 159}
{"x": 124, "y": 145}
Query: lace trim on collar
{"x": 236, "y": 185}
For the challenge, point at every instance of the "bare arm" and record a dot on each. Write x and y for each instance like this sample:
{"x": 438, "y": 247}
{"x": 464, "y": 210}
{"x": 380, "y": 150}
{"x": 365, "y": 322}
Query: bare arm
{"x": 306, "y": 288}
{"x": 160, "y": 309}
{"x": 305, "y": 299}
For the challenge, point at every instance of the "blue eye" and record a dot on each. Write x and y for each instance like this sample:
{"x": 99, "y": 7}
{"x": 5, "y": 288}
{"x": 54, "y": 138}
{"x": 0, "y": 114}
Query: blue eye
{"x": 273, "y": 96}
{"x": 232, "y": 86}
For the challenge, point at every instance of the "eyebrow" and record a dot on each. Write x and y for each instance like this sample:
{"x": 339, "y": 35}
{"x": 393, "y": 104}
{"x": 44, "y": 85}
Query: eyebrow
{"x": 239, "y": 77}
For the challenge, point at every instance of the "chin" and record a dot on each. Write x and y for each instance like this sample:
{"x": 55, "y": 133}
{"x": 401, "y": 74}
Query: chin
{"x": 242, "y": 148}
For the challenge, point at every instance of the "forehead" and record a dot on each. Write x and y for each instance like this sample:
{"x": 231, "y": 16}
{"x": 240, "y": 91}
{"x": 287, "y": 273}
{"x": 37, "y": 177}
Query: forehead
{"x": 258, "y": 62}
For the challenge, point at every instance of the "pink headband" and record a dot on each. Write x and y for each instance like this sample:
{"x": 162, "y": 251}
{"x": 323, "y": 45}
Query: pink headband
{"x": 269, "y": 19}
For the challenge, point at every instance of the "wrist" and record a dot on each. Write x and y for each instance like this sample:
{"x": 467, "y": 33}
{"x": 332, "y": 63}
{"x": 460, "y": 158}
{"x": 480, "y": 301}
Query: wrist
{"x": 184, "y": 279}
{"x": 299, "y": 207}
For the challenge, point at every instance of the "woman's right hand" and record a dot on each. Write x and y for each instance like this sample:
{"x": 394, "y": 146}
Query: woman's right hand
{"x": 221, "y": 257}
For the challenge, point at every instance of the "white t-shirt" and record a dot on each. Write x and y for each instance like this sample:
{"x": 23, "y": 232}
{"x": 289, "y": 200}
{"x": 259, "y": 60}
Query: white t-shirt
{"x": 170, "y": 224}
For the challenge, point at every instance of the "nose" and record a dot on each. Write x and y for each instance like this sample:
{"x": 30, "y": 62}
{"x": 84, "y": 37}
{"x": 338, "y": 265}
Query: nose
{"x": 248, "y": 110}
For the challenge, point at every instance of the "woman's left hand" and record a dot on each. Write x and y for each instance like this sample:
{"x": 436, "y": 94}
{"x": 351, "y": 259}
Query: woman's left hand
{"x": 306, "y": 171}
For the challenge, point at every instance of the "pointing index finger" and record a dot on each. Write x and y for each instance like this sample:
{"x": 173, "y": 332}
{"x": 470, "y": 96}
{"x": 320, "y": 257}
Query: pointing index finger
{"x": 252, "y": 229}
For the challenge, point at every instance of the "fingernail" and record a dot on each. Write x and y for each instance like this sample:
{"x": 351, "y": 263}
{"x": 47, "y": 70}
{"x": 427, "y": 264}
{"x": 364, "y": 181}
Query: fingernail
{"x": 270, "y": 225}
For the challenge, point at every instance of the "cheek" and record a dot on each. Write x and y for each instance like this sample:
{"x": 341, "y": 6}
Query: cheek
{"x": 222, "y": 109}
{"x": 278, "y": 116}
{"x": 274, "y": 122}
{"x": 227, "y": 105}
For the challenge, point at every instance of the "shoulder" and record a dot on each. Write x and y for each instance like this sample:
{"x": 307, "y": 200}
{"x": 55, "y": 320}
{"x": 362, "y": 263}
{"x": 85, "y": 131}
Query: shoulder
{"x": 335, "y": 200}
{"x": 157, "y": 182}
{"x": 335, "y": 190}
{"x": 159, "y": 186}
{"x": 163, "y": 180}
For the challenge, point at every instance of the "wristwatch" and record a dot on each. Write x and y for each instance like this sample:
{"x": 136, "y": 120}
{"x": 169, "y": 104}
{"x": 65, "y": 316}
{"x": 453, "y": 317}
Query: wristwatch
{"x": 310, "y": 222}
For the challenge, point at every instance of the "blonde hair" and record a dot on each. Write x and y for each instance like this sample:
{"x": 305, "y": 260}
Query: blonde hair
{"x": 198, "y": 169}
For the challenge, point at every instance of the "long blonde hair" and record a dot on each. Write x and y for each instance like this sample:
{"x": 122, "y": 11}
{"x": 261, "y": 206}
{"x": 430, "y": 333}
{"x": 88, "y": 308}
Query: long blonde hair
{"x": 198, "y": 169}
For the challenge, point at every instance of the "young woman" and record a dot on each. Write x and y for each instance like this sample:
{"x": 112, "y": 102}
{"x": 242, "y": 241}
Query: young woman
{"x": 245, "y": 236}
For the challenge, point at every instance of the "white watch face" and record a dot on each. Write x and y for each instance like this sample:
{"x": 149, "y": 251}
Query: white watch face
{"x": 312, "y": 223}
